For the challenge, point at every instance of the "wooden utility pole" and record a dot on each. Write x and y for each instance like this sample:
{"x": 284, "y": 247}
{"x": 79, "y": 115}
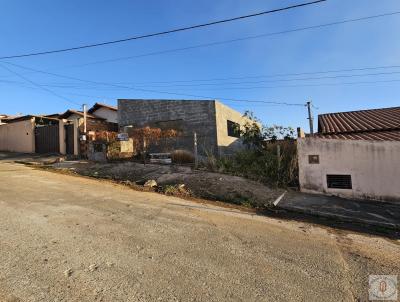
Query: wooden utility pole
{"x": 84, "y": 119}
{"x": 310, "y": 118}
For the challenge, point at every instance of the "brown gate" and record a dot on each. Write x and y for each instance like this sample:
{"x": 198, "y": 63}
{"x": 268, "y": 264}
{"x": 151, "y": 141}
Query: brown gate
{"x": 69, "y": 139}
{"x": 47, "y": 139}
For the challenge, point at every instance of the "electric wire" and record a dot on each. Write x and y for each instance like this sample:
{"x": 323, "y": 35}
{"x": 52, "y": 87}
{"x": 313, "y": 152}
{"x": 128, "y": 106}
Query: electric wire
{"x": 162, "y": 32}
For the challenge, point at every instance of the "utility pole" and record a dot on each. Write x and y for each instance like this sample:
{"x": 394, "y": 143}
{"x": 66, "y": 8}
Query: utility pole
{"x": 84, "y": 119}
{"x": 310, "y": 118}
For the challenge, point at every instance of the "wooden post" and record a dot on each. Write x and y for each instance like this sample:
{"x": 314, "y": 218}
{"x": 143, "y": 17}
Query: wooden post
{"x": 196, "y": 159}
{"x": 144, "y": 150}
{"x": 84, "y": 119}
{"x": 278, "y": 153}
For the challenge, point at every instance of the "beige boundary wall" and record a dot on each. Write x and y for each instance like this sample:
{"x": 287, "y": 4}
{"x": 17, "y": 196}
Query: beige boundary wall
{"x": 374, "y": 167}
{"x": 18, "y": 136}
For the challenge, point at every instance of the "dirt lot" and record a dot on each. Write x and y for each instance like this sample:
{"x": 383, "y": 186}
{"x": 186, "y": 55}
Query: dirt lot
{"x": 65, "y": 238}
{"x": 200, "y": 184}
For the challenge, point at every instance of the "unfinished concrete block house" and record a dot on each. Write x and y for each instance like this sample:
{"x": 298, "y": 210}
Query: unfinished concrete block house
{"x": 216, "y": 125}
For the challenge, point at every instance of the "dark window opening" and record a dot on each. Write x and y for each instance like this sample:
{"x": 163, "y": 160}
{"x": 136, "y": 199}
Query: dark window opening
{"x": 233, "y": 129}
{"x": 313, "y": 159}
{"x": 339, "y": 181}
{"x": 98, "y": 147}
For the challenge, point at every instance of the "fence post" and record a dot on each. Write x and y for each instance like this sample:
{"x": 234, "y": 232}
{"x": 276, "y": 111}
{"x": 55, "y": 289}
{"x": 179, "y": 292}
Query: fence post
{"x": 278, "y": 154}
{"x": 196, "y": 159}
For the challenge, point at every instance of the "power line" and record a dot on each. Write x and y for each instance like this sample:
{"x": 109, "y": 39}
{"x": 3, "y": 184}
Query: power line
{"x": 25, "y": 85}
{"x": 37, "y": 85}
{"x": 252, "y": 37}
{"x": 70, "y": 85}
{"x": 74, "y": 86}
{"x": 235, "y": 88}
{"x": 299, "y": 85}
{"x": 280, "y": 80}
{"x": 201, "y": 96}
{"x": 237, "y": 40}
{"x": 155, "y": 91}
{"x": 276, "y": 75}
{"x": 163, "y": 32}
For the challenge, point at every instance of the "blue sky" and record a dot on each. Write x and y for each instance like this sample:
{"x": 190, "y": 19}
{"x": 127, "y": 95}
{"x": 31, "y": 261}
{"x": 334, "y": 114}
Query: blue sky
{"x": 30, "y": 26}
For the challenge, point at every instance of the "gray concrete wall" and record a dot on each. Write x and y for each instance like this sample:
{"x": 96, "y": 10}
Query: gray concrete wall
{"x": 186, "y": 116}
{"x": 374, "y": 167}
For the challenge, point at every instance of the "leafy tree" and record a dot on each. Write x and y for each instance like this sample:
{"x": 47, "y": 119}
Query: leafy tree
{"x": 254, "y": 134}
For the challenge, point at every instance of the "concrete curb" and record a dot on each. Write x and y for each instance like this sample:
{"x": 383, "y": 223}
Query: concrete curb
{"x": 343, "y": 218}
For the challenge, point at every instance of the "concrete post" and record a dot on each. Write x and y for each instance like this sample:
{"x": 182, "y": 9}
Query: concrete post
{"x": 61, "y": 131}
{"x": 310, "y": 118}
{"x": 76, "y": 137}
{"x": 33, "y": 138}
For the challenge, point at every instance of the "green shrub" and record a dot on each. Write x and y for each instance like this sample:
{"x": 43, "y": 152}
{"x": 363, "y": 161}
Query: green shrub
{"x": 265, "y": 165}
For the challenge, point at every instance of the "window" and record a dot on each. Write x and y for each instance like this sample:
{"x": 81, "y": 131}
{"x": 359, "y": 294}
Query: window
{"x": 338, "y": 181}
{"x": 97, "y": 147}
{"x": 313, "y": 159}
{"x": 233, "y": 129}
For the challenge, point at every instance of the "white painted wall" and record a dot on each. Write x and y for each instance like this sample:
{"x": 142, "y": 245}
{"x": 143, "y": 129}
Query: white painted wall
{"x": 374, "y": 167}
{"x": 108, "y": 114}
{"x": 18, "y": 136}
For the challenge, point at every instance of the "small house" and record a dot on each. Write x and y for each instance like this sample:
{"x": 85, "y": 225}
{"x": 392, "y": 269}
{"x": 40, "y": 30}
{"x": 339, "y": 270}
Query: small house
{"x": 355, "y": 154}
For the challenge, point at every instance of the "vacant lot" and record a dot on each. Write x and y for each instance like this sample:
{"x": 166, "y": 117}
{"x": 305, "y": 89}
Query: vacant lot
{"x": 65, "y": 238}
{"x": 200, "y": 183}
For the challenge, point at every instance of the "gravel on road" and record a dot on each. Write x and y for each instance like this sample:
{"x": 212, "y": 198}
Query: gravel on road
{"x": 66, "y": 238}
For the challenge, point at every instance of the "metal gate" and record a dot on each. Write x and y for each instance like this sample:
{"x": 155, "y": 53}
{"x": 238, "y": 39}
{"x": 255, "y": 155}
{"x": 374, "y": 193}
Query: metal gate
{"x": 47, "y": 139}
{"x": 69, "y": 139}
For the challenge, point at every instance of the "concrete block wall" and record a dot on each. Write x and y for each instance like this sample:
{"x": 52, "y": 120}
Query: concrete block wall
{"x": 188, "y": 115}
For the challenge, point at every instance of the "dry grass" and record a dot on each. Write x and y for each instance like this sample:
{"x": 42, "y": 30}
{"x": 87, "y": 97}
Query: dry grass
{"x": 182, "y": 157}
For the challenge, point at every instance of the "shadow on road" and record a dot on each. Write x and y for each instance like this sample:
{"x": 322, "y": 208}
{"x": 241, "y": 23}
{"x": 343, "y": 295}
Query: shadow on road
{"x": 318, "y": 221}
{"x": 333, "y": 223}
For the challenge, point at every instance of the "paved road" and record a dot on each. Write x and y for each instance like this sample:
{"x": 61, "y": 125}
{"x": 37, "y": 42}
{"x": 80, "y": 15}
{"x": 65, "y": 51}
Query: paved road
{"x": 65, "y": 238}
{"x": 368, "y": 212}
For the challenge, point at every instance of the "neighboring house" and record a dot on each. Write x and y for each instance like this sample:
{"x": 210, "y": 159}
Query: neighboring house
{"x": 4, "y": 118}
{"x": 53, "y": 133}
{"x": 354, "y": 154}
{"x": 30, "y": 134}
{"x": 216, "y": 125}
{"x": 93, "y": 122}
{"x": 107, "y": 112}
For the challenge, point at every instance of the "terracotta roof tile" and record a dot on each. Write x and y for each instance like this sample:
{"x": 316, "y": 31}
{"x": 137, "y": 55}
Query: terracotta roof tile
{"x": 373, "y": 124}
{"x": 388, "y": 135}
{"x": 362, "y": 120}
{"x": 100, "y": 105}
